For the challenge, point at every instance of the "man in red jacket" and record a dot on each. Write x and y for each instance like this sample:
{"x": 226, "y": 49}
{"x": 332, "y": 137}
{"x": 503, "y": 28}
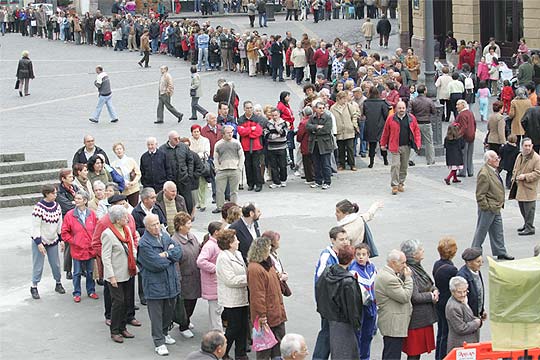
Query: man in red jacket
{"x": 250, "y": 132}
{"x": 400, "y": 134}
{"x": 321, "y": 59}
{"x": 467, "y": 128}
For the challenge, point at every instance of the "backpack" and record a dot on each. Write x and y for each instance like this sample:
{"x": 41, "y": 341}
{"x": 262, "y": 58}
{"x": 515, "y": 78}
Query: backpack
{"x": 469, "y": 84}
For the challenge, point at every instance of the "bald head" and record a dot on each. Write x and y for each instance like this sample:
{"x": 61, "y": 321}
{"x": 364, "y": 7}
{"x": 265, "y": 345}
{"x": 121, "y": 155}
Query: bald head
{"x": 401, "y": 109}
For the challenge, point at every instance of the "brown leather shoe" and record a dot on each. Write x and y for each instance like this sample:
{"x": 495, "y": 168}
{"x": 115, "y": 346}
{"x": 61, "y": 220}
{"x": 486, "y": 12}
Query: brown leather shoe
{"x": 135, "y": 322}
{"x": 117, "y": 338}
{"x": 401, "y": 188}
{"x": 353, "y": 168}
{"x": 394, "y": 190}
{"x": 127, "y": 334}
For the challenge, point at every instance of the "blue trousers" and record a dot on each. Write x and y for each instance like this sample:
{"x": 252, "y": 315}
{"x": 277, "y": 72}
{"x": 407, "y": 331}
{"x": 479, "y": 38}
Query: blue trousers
{"x": 365, "y": 335}
{"x": 321, "y": 166}
{"x": 90, "y": 283}
{"x": 104, "y": 100}
{"x": 155, "y": 45}
{"x": 322, "y": 346}
{"x": 38, "y": 260}
{"x": 262, "y": 19}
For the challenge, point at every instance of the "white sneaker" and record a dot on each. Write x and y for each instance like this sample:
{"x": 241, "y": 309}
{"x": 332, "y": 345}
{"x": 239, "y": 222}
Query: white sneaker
{"x": 283, "y": 184}
{"x": 314, "y": 185}
{"x": 169, "y": 340}
{"x": 162, "y": 350}
{"x": 191, "y": 326}
{"x": 325, "y": 186}
{"x": 187, "y": 334}
{"x": 274, "y": 186}
{"x": 297, "y": 173}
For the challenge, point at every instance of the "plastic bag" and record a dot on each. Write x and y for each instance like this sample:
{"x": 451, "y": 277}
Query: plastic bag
{"x": 263, "y": 338}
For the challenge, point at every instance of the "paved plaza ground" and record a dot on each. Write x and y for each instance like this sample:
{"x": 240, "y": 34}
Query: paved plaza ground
{"x": 51, "y": 123}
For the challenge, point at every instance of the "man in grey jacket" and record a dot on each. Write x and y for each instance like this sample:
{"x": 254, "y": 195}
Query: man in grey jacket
{"x": 423, "y": 107}
{"x": 103, "y": 85}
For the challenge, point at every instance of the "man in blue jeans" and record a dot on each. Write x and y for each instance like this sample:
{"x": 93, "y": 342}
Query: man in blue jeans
{"x": 261, "y": 9}
{"x": 103, "y": 85}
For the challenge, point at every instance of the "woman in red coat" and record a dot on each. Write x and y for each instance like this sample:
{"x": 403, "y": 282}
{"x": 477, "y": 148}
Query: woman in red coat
{"x": 77, "y": 230}
{"x": 467, "y": 56}
{"x": 286, "y": 114}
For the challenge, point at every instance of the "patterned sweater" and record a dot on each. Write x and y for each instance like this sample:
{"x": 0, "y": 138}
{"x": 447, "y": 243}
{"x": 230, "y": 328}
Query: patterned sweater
{"x": 46, "y": 223}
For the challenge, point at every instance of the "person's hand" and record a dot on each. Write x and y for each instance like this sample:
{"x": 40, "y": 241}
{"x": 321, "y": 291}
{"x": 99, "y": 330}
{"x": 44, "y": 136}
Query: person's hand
{"x": 383, "y": 148}
{"x": 484, "y": 316}
{"x": 113, "y": 282}
{"x": 42, "y": 249}
{"x": 319, "y": 126}
{"x": 478, "y": 322}
{"x": 379, "y": 204}
{"x": 284, "y": 276}
{"x": 62, "y": 246}
{"x": 520, "y": 177}
{"x": 407, "y": 271}
{"x": 253, "y": 128}
{"x": 263, "y": 321}
{"x": 163, "y": 254}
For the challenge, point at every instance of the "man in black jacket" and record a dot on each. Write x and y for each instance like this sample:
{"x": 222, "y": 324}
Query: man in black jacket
{"x": 154, "y": 36}
{"x": 247, "y": 228}
{"x": 155, "y": 169}
{"x": 383, "y": 29}
{"x": 531, "y": 123}
{"x": 87, "y": 151}
{"x": 352, "y": 65}
{"x": 276, "y": 50}
{"x": 180, "y": 161}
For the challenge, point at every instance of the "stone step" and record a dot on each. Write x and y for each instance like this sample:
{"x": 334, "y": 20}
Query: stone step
{"x": 24, "y": 188}
{"x": 21, "y": 166}
{"x": 29, "y": 176}
{"x": 11, "y": 157}
{"x": 20, "y": 200}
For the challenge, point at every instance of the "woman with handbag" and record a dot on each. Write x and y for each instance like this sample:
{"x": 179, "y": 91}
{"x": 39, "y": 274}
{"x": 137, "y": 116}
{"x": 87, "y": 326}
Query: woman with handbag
{"x": 130, "y": 171}
{"x": 25, "y": 72}
{"x": 354, "y": 223}
{"x": 195, "y": 91}
{"x": 200, "y": 145}
{"x": 275, "y": 238}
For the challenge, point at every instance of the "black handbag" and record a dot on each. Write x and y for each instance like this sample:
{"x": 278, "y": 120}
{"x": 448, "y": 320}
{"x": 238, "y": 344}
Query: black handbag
{"x": 192, "y": 92}
{"x": 17, "y": 83}
{"x": 369, "y": 241}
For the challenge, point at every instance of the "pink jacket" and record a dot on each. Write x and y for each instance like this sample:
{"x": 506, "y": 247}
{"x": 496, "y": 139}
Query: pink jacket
{"x": 207, "y": 263}
{"x": 482, "y": 71}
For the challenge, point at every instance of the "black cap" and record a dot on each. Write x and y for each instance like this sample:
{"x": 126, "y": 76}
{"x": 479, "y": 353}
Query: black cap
{"x": 116, "y": 199}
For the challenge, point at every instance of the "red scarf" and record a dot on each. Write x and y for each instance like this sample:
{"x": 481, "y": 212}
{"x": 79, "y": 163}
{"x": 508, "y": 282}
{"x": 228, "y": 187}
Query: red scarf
{"x": 132, "y": 267}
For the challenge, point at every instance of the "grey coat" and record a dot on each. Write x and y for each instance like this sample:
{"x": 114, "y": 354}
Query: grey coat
{"x": 190, "y": 275}
{"x": 424, "y": 312}
{"x": 461, "y": 324}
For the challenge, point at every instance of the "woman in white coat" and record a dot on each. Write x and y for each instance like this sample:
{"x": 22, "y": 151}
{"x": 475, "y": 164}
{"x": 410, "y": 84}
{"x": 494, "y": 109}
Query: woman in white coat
{"x": 348, "y": 217}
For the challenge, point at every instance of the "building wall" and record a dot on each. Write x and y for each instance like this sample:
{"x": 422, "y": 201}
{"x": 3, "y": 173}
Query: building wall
{"x": 531, "y": 23}
{"x": 466, "y": 19}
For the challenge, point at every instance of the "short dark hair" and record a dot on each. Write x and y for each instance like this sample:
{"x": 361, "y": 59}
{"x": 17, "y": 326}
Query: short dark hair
{"x": 362, "y": 245}
{"x": 47, "y": 189}
{"x": 212, "y": 340}
{"x": 421, "y": 89}
{"x": 193, "y": 69}
{"x": 335, "y": 231}
{"x": 77, "y": 168}
{"x": 455, "y": 75}
{"x": 63, "y": 173}
{"x": 497, "y": 106}
{"x": 221, "y": 104}
{"x": 247, "y": 209}
{"x": 214, "y": 226}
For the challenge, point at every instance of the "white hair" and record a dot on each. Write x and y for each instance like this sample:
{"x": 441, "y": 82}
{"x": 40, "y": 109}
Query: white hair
{"x": 393, "y": 256}
{"x": 456, "y": 282}
{"x": 149, "y": 218}
{"x": 464, "y": 103}
{"x": 98, "y": 184}
{"x": 151, "y": 140}
{"x": 116, "y": 213}
{"x": 410, "y": 247}
{"x": 488, "y": 155}
{"x": 147, "y": 192}
{"x": 169, "y": 184}
{"x": 291, "y": 343}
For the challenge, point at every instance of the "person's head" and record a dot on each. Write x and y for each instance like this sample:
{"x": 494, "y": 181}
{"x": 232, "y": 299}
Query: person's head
{"x": 211, "y": 119}
{"x": 293, "y": 347}
{"x": 196, "y": 131}
{"x": 473, "y": 258}
{"x": 163, "y": 69}
{"x": 214, "y": 227}
{"x": 459, "y": 288}
{"x": 497, "y": 106}
{"x": 413, "y": 250}
{"x": 275, "y": 114}
{"x": 525, "y": 58}
{"x": 111, "y": 188}
{"x": 49, "y": 192}
{"x": 447, "y": 248}
{"x": 233, "y": 213}
{"x": 308, "y": 89}
{"x": 251, "y": 212}
{"x": 227, "y": 132}
{"x": 119, "y": 149}
{"x": 99, "y": 189}
{"x": 152, "y": 224}
{"x": 307, "y": 111}
{"x": 174, "y": 138}
{"x": 89, "y": 143}
{"x": 338, "y": 237}
{"x": 492, "y": 159}
{"x": 214, "y": 342}
{"x": 151, "y": 143}
{"x": 466, "y": 67}
{"x": 396, "y": 260}
{"x": 148, "y": 197}
{"x": 344, "y": 208}
{"x": 521, "y": 93}
{"x": 81, "y": 198}
{"x": 362, "y": 253}
{"x": 223, "y": 109}
{"x": 345, "y": 255}
{"x": 401, "y": 109}
{"x": 99, "y": 69}
{"x": 455, "y": 75}
{"x": 259, "y": 250}
{"x": 226, "y": 239}
{"x": 461, "y": 105}
{"x": 526, "y": 146}
{"x": 248, "y": 108}
{"x": 284, "y": 97}
{"x": 339, "y": 87}
{"x": 421, "y": 89}
{"x": 319, "y": 108}
{"x": 169, "y": 190}
{"x": 118, "y": 215}
{"x": 80, "y": 171}
{"x": 506, "y": 83}
{"x": 410, "y": 51}
{"x": 66, "y": 177}
{"x": 182, "y": 222}
{"x": 373, "y": 93}
{"x": 482, "y": 84}
{"x": 531, "y": 87}
{"x": 274, "y": 237}
{"x": 452, "y": 132}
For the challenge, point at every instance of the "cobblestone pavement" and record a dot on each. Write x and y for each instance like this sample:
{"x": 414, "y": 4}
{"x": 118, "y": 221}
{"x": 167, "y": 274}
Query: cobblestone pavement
{"x": 52, "y": 121}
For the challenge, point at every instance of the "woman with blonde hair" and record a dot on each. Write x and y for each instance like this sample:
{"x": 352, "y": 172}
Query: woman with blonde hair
{"x": 25, "y": 72}
{"x": 130, "y": 171}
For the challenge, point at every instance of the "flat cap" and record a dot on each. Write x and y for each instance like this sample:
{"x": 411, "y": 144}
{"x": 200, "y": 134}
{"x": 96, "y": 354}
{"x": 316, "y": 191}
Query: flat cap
{"x": 116, "y": 199}
{"x": 471, "y": 254}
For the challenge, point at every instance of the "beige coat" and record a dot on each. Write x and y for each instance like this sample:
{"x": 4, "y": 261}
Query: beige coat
{"x": 394, "y": 300}
{"x": 166, "y": 85}
{"x": 489, "y": 190}
{"x": 529, "y": 166}
{"x": 354, "y": 224}
{"x": 232, "y": 279}
{"x": 298, "y": 57}
{"x": 346, "y": 120}
{"x": 517, "y": 110}
{"x": 442, "y": 86}
{"x": 133, "y": 166}
{"x": 114, "y": 257}
{"x": 368, "y": 29}
{"x": 496, "y": 129}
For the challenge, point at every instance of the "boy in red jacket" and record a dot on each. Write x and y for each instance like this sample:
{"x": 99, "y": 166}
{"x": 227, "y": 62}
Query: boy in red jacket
{"x": 507, "y": 94}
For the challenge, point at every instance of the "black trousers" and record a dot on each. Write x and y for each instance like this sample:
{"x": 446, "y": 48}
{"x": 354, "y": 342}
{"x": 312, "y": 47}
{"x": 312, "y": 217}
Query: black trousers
{"x": 448, "y": 106}
{"x": 140, "y": 289}
{"x": 145, "y": 58}
{"x": 274, "y": 352}
{"x": 253, "y": 167}
{"x": 346, "y": 152}
{"x": 189, "y": 306}
{"x": 237, "y": 328}
{"x": 312, "y": 73}
{"x": 308, "y": 167}
{"x": 373, "y": 149}
{"x": 121, "y": 297}
{"x": 392, "y": 348}
{"x": 383, "y": 37}
{"x": 278, "y": 164}
{"x": 453, "y": 101}
{"x": 107, "y": 300}
{"x": 68, "y": 262}
{"x": 185, "y": 191}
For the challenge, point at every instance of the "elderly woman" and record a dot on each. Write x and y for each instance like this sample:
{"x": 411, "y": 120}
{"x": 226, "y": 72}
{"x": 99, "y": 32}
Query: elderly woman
{"x": 375, "y": 110}
{"x": 413, "y": 65}
{"x": 77, "y": 229}
{"x": 66, "y": 199}
{"x": 233, "y": 292}
{"x": 346, "y": 117}
{"x": 99, "y": 194}
{"x": 420, "y": 337}
{"x": 46, "y": 228}
{"x": 118, "y": 254}
{"x": 443, "y": 271}
{"x": 129, "y": 169}
{"x": 471, "y": 272}
{"x": 354, "y": 223}
{"x": 96, "y": 169}
{"x": 25, "y": 72}
{"x": 190, "y": 277}
{"x": 80, "y": 172}
{"x": 200, "y": 145}
{"x": 265, "y": 298}
{"x": 207, "y": 264}
{"x": 462, "y": 324}
{"x": 496, "y": 128}
{"x": 518, "y": 107}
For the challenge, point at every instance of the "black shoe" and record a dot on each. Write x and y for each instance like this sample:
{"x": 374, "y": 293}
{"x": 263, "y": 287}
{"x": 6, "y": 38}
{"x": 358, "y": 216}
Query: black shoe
{"x": 100, "y": 282}
{"x": 216, "y": 211}
{"x": 59, "y": 289}
{"x": 35, "y": 293}
{"x": 114, "y": 120}
{"x": 258, "y": 188}
{"x": 411, "y": 163}
{"x": 139, "y": 64}
{"x": 526, "y": 232}
{"x": 21, "y": 95}
{"x": 180, "y": 117}
{"x": 193, "y": 119}
{"x": 69, "y": 275}
{"x": 505, "y": 257}
{"x": 363, "y": 155}
{"x": 158, "y": 122}
{"x": 521, "y": 228}
{"x": 458, "y": 175}
{"x": 142, "y": 301}
{"x": 213, "y": 201}
{"x": 136, "y": 308}
{"x": 93, "y": 120}
{"x": 470, "y": 175}
{"x": 251, "y": 187}
{"x": 240, "y": 187}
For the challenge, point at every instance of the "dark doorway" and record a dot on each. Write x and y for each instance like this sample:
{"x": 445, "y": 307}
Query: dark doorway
{"x": 502, "y": 19}
{"x": 442, "y": 23}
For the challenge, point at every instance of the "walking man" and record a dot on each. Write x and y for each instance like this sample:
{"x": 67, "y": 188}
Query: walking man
{"x": 383, "y": 29}
{"x": 156, "y": 258}
{"x": 490, "y": 199}
{"x": 166, "y": 90}
{"x": 423, "y": 107}
{"x": 525, "y": 177}
{"x": 103, "y": 85}
{"x": 400, "y": 134}
{"x": 467, "y": 128}
{"x": 145, "y": 48}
